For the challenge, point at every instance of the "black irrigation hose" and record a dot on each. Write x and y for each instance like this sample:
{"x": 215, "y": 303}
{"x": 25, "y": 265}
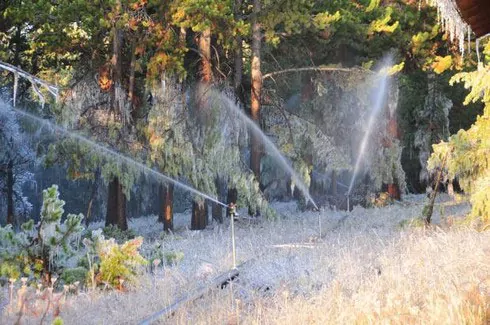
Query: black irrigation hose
{"x": 218, "y": 282}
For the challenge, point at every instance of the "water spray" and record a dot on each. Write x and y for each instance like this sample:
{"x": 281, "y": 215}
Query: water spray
{"x": 270, "y": 145}
{"x": 116, "y": 154}
{"x": 378, "y": 104}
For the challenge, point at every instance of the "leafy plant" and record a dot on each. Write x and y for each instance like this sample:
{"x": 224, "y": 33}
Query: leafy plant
{"x": 40, "y": 250}
{"x": 174, "y": 257}
{"x": 112, "y": 263}
{"x": 72, "y": 275}
{"x": 58, "y": 321}
{"x": 118, "y": 234}
{"x": 416, "y": 222}
{"x": 381, "y": 200}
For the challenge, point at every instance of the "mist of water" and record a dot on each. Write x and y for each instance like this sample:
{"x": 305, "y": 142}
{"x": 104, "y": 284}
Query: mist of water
{"x": 275, "y": 153}
{"x": 379, "y": 100}
{"x": 110, "y": 152}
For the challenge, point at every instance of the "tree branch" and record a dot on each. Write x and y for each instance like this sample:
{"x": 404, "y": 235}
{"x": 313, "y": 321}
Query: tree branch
{"x": 331, "y": 69}
{"x": 34, "y": 80}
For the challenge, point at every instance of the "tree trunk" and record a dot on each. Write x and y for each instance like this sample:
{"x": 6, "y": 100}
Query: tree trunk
{"x": 199, "y": 215}
{"x": 429, "y": 208}
{"x": 166, "y": 213}
{"x": 238, "y": 59}
{"x": 132, "y": 70}
{"x": 10, "y": 193}
{"x": 205, "y": 51}
{"x": 394, "y": 191}
{"x": 117, "y": 94}
{"x": 393, "y": 132}
{"x": 232, "y": 194}
{"x": 308, "y": 159}
{"x": 95, "y": 186}
{"x": 199, "y": 210}
{"x": 333, "y": 186}
{"x": 256, "y": 74}
{"x": 217, "y": 209}
{"x": 16, "y": 61}
{"x": 116, "y": 205}
{"x": 217, "y": 212}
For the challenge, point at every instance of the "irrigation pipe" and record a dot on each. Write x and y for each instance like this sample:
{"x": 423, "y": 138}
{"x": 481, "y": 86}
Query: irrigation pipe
{"x": 299, "y": 245}
{"x": 219, "y": 281}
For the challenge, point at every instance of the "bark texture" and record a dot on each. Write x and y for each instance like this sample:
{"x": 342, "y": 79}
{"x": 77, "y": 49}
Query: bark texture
{"x": 256, "y": 74}
{"x": 116, "y": 205}
{"x": 10, "y": 193}
{"x": 166, "y": 214}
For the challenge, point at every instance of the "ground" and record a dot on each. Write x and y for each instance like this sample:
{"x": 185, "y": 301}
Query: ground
{"x": 327, "y": 267}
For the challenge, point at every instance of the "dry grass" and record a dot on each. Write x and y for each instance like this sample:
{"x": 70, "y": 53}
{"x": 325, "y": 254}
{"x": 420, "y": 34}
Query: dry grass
{"x": 362, "y": 269}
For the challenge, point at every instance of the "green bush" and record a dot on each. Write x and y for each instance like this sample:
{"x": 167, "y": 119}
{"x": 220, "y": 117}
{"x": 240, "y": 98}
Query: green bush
{"x": 173, "y": 258}
{"x": 119, "y": 235}
{"x": 111, "y": 262}
{"x": 77, "y": 274}
{"x": 42, "y": 249}
{"x": 57, "y": 321}
{"x": 466, "y": 155}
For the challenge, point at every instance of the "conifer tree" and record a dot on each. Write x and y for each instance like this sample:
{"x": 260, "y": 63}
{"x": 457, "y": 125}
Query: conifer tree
{"x": 465, "y": 156}
{"x": 15, "y": 159}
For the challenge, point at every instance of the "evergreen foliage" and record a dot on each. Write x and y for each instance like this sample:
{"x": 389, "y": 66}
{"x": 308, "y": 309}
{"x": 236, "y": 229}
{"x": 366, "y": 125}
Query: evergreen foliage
{"x": 16, "y": 157}
{"x": 432, "y": 124}
{"x": 120, "y": 236}
{"x": 111, "y": 263}
{"x": 467, "y": 153}
{"x": 41, "y": 249}
{"x": 148, "y": 111}
{"x": 74, "y": 275}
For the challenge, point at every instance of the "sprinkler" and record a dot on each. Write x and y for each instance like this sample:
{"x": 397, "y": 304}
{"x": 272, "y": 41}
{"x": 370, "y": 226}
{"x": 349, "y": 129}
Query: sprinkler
{"x": 233, "y": 213}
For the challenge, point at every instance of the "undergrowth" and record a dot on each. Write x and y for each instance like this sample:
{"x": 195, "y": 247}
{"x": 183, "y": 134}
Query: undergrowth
{"x": 359, "y": 269}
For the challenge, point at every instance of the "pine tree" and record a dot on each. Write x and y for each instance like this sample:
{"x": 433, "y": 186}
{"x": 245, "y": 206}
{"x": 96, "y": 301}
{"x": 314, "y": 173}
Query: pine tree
{"x": 465, "y": 156}
{"x": 16, "y": 156}
{"x": 40, "y": 250}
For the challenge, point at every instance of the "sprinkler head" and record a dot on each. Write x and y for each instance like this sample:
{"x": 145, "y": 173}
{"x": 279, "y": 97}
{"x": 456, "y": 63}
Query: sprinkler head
{"x": 232, "y": 207}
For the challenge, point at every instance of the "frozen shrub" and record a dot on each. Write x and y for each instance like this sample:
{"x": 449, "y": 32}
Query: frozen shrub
{"x": 72, "y": 275}
{"x": 41, "y": 249}
{"x": 174, "y": 257}
{"x": 121, "y": 236}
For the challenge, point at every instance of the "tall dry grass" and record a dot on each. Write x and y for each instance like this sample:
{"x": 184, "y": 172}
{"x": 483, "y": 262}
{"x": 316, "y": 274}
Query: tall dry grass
{"x": 363, "y": 269}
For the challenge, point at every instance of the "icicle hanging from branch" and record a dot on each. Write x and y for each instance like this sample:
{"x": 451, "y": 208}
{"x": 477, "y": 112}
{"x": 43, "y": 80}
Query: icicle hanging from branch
{"x": 38, "y": 93}
{"x": 451, "y": 21}
{"x": 35, "y": 81}
{"x": 16, "y": 83}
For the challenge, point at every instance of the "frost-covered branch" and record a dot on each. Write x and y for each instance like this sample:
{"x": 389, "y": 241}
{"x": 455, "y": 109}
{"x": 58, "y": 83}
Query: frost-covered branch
{"x": 275, "y": 73}
{"x": 32, "y": 79}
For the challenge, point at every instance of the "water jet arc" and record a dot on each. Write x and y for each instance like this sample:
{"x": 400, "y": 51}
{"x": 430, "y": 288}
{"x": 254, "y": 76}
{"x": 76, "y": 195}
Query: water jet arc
{"x": 378, "y": 104}
{"x": 269, "y": 144}
{"x": 115, "y": 154}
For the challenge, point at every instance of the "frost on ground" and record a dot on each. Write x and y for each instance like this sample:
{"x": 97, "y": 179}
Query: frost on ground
{"x": 328, "y": 267}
